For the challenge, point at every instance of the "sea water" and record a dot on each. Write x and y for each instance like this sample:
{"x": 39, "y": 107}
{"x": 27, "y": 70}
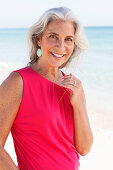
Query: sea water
{"x": 95, "y": 71}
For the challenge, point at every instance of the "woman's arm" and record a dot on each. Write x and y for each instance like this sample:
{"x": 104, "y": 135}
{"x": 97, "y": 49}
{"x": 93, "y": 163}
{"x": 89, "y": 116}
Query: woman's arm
{"x": 6, "y": 163}
{"x": 83, "y": 137}
{"x": 10, "y": 98}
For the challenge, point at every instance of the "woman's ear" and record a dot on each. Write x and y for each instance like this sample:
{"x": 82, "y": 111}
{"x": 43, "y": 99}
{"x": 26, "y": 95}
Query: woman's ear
{"x": 39, "y": 41}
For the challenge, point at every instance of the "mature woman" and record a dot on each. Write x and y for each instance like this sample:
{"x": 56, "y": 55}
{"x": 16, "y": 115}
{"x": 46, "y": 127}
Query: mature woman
{"x": 44, "y": 108}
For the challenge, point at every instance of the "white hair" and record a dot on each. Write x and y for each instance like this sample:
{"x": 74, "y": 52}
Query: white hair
{"x": 60, "y": 13}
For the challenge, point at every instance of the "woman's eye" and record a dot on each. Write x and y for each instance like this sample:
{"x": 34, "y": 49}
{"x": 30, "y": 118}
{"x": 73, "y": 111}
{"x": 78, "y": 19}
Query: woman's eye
{"x": 53, "y": 36}
{"x": 69, "y": 39}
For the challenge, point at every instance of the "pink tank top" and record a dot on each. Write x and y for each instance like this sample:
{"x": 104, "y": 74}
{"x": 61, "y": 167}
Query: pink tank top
{"x": 43, "y": 129}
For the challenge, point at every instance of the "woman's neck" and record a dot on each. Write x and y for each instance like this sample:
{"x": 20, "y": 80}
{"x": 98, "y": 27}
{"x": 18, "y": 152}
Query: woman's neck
{"x": 52, "y": 74}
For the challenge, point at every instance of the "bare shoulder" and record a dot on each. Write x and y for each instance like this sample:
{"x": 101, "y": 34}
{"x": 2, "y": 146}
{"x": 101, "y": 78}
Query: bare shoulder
{"x": 12, "y": 77}
{"x": 13, "y": 85}
{"x": 11, "y": 92}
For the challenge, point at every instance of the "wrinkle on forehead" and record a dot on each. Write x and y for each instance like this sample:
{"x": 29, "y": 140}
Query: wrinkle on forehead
{"x": 57, "y": 27}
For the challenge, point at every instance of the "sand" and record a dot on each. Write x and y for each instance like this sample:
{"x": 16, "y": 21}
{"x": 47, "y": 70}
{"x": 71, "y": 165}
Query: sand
{"x": 101, "y": 154}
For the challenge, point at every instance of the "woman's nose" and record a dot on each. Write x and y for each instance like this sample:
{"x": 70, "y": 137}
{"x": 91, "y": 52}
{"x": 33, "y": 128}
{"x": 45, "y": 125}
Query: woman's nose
{"x": 60, "y": 44}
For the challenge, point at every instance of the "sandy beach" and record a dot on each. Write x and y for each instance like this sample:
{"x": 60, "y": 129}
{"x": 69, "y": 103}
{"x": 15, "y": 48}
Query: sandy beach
{"x": 101, "y": 155}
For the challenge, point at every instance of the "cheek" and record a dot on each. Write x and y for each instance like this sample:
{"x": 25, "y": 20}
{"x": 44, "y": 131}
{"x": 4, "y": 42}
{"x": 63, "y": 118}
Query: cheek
{"x": 45, "y": 47}
{"x": 70, "y": 49}
{"x": 48, "y": 46}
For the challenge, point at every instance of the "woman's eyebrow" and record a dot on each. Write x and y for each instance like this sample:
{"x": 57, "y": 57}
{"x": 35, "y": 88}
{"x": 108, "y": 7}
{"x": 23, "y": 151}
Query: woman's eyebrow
{"x": 53, "y": 33}
{"x": 69, "y": 36}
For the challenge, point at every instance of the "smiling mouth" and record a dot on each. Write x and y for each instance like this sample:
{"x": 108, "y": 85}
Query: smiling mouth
{"x": 59, "y": 56}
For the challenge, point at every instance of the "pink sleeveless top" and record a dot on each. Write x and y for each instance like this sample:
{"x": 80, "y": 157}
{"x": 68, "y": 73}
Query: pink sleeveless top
{"x": 43, "y": 129}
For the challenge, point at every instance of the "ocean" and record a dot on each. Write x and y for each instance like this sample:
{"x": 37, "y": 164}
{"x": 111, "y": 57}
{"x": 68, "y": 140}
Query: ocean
{"x": 95, "y": 70}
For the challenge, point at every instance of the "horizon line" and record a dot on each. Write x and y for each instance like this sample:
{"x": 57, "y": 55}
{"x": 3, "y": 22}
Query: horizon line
{"x": 83, "y": 26}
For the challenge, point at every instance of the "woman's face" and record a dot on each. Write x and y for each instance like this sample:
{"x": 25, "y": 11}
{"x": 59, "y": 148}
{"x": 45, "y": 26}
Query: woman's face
{"x": 57, "y": 42}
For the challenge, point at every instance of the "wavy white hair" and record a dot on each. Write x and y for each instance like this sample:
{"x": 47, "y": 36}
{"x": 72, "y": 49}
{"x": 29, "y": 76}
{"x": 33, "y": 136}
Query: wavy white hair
{"x": 60, "y": 13}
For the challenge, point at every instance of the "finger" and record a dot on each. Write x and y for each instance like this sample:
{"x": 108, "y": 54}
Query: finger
{"x": 72, "y": 83}
{"x": 69, "y": 81}
{"x": 70, "y": 77}
{"x": 70, "y": 86}
{"x": 67, "y": 78}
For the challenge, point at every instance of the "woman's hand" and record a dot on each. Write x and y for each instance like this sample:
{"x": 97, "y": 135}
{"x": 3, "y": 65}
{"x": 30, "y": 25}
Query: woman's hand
{"x": 77, "y": 97}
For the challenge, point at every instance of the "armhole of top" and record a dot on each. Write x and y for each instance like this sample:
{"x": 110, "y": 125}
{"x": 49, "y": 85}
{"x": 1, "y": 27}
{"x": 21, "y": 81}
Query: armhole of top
{"x": 23, "y": 86}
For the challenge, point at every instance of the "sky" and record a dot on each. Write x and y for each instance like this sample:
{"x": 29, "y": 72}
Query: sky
{"x": 23, "y": 13}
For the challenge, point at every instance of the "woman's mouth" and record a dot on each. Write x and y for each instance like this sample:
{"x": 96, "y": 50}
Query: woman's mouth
{"x": 58, "y": 56}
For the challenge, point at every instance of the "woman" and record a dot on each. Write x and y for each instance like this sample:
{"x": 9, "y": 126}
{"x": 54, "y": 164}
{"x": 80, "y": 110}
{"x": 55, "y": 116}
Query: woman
{"x": 44, "y": 108}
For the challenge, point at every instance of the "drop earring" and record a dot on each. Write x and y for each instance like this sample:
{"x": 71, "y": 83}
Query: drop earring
{"x": 39, "y": 52}
{"x": 70, "y": 58}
